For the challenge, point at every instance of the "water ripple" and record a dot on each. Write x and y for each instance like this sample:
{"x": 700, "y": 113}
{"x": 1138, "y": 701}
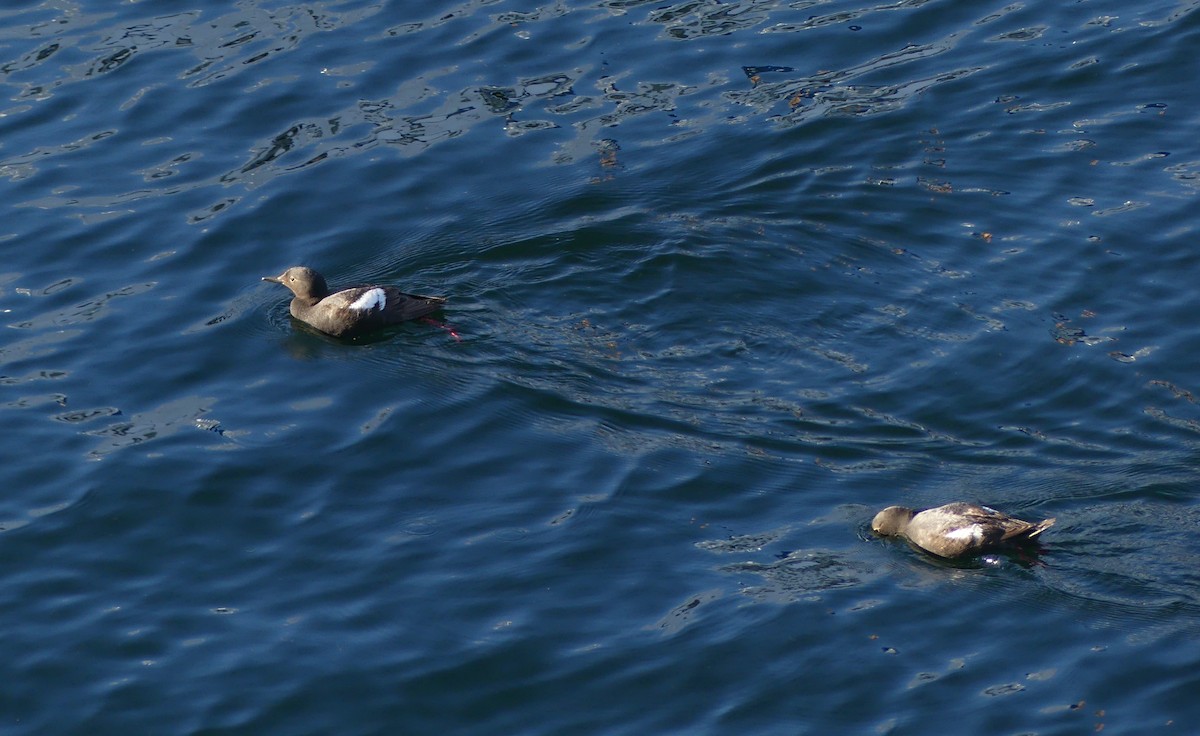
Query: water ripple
{"x": 725, "y": 278}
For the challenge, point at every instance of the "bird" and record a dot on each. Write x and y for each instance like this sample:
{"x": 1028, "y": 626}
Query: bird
{"x": 957, "y": 529}
{"x": 352, "y": 311}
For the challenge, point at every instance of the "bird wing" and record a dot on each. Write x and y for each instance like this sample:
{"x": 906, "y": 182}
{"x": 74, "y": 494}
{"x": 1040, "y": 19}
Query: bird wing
{"x": 402, "y": 306}
{"x": 369, "y": 300}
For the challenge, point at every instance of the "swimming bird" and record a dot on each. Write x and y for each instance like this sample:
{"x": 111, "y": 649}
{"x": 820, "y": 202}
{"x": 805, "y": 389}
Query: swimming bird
{"x": 956, "y": 529}
{"x": 351, "y": 311}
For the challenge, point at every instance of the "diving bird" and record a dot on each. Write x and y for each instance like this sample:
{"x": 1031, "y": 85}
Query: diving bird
{"x": 353, "y": 311}
{"x": 956, "y": 529}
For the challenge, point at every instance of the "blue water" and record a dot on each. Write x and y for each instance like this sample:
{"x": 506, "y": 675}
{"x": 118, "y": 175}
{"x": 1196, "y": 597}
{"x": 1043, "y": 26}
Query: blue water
{"x": 725, "y": 278}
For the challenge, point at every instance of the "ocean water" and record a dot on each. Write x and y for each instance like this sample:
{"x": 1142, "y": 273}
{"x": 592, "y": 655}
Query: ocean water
{"x": 725, "y": 278}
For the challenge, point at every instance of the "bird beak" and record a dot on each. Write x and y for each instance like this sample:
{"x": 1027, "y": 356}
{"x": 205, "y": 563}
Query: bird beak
{"x": 273, "y": 279}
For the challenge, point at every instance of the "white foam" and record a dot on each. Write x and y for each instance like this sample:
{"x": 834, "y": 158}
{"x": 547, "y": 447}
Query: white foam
{"x": 373, "y": 299}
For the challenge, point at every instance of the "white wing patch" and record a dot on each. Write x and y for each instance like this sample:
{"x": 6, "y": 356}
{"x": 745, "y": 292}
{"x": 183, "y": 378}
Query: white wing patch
{"x": 373, "y": 299}
{"x": 972, "y": 532}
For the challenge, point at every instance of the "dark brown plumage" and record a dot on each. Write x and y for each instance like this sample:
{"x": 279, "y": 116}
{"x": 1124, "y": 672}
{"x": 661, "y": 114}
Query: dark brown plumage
{"x": 956, "y": 529}
{"x": 351, "y": 311}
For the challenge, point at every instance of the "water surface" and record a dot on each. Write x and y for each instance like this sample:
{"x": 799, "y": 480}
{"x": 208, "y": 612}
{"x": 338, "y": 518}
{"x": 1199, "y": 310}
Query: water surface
{"x": 725, "y": 278}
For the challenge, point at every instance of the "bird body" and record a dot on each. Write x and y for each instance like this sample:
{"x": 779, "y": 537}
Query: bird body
{"x": 956, "y": 529}
{"x": 353, "y": 311}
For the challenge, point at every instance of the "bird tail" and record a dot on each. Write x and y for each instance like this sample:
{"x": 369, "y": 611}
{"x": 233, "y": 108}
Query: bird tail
{"x": 1040, "y": 527}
